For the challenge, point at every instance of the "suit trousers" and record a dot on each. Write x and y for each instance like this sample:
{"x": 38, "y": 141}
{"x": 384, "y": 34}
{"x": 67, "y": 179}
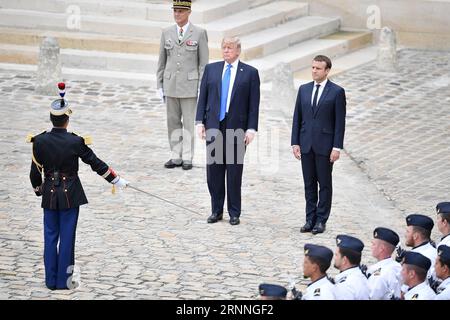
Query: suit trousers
{"x": 317, "y": 173}
{"x": 59, "y": 259}
{"x": 230, "y": 156}
{"x": 180, "y": 127}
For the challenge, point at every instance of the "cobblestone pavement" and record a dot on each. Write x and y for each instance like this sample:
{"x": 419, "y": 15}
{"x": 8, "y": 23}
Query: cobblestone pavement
{"x": 131, "y": 246}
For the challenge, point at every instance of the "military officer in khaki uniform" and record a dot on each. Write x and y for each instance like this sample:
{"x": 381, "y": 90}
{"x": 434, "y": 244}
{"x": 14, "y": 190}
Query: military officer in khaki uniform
{"x": 183, "y": 55}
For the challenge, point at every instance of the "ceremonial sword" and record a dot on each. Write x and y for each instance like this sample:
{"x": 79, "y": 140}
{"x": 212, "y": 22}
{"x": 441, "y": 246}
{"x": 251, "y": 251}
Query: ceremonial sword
{"x": 162, "y": 199}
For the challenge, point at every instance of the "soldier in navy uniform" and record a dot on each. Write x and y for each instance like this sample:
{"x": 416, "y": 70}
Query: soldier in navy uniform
{"x": 442, "y": 267}
{"x": 351, "y": 283}
{"x": 418, "y": 233}
{"x": 414, "y": 273}
{"x": 315, "y": 265}
{"x": 384, "y": 277}
{"x": 54, "y": 176}
{"x": 443, "y": 222}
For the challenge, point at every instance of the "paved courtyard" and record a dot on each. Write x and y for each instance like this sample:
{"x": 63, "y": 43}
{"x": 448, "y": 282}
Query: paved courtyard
{"x": 132, "y": 246}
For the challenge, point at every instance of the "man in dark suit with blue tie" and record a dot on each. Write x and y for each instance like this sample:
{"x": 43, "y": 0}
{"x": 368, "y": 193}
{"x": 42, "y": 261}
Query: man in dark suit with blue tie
{"x": 317, "y": 140}
{"x": 227, "y": 117}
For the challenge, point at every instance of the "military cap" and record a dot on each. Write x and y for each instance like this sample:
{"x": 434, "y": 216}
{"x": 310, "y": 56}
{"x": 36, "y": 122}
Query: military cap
{"x": 60, "y": 107}
{"x": 420, "y": 220}
{"x": 349, "y": 242}
{"x": 181, "y": 4}
{"x": 444, "y": 253}
{"x": 417, "y": 259}
{"x": 321, "y": 252}
{"x": 443, "y": 208}
{"x": 387, "y": 235}
{"x": 272, "y": 290}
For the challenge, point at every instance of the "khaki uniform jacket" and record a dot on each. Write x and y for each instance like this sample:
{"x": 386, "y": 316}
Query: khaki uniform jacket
{"x": 180, "y": 65}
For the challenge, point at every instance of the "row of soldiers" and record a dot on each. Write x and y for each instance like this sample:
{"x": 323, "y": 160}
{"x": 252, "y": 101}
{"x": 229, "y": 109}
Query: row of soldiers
{"x": 423, "y": 273}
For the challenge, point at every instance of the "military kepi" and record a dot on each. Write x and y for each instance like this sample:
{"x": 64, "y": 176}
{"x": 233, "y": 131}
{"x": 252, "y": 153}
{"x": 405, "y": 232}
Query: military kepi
{"x": 320, "y": 252}
{"x": 419, "y": 220}
{"x": 443, "y": 208}
{"x": 417, "y": 259}
{"x": 387, "y": 235}
{"x": 181, "y": 4}
{"x": 444, "y": 253}
{"x": 272, "y": 290}
{"x": 60, "y": 107}
{"x": 349, "y": 242}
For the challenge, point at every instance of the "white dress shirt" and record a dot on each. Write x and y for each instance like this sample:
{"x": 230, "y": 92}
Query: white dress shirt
{"x": 185, "y": 28}
{"x": 321, "y": 289}
{"x": 385, "y": 279}
{"x": 420, "y": 292}
{"x": 351, "y": 284}
{"x": 443, "y": 291}
{"x": 445, "y": 240}
{"x": 234, "y": 67}
{"x": 322, "y": 86}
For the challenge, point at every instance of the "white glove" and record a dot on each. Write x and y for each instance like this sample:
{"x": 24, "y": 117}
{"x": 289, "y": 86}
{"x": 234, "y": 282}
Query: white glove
{"x": 161, "y": 94}
{"x": 120, "y": 182}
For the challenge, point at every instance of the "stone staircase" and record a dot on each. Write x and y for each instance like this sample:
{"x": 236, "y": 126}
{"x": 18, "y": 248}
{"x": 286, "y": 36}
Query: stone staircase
{"x": 118, "y": 41}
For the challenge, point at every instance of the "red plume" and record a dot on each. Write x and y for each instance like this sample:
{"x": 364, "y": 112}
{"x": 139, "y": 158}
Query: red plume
{"x": 61, "y": 86}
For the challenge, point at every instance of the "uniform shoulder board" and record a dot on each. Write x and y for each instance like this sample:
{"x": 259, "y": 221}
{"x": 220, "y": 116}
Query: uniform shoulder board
{"x": 414, "y": 297}
{"x": 343, "y": 279}
{"x": 317, "y": 292}
{"x": 377, "y": 272}
{"x": 30, "y": 137}
{"x": 87, "y": 139}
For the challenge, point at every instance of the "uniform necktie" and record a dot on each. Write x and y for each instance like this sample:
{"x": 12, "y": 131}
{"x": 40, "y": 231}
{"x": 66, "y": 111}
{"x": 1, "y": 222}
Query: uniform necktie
{"x": 225, "y": 87}
{"x": 316, "y": 94}
{"x": 180, "y": 35}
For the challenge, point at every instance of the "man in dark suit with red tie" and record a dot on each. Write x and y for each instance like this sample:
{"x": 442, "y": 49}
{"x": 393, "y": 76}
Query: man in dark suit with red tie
{"x": 227, "y": 117}
{"x": 317, "y": 139}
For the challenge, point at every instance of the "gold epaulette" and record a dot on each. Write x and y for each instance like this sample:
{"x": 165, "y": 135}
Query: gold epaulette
{"x": 87, "y": 139}
{"x": 30, "y": 137}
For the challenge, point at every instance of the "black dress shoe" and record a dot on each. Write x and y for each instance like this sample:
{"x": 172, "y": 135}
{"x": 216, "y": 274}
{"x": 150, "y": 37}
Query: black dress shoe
{"x": 307, "y": 227}
{"x": 170, "y": 164}
{"x": 234, "y": 221}
{"x": 187, "y": 166}
{"x": 214, "y": 218}
{"x": 318, "y": 228}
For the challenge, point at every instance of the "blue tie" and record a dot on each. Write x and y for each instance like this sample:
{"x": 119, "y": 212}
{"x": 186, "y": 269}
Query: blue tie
{"x": 225, "y": 88}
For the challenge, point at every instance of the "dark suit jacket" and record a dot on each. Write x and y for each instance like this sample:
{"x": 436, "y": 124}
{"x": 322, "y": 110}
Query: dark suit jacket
{"x": 59, "y": 150}
{"x": 323, "y": 129}
{"x": 244, "y": 104}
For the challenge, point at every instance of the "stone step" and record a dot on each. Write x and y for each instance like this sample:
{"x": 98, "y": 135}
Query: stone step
{"x": 85, "y": 59}
{"x": 241, "y": 23}
{"x": 256, "y": 19}
{"x": 79, "y": 40}
{"x": 341, "y": 64}
{"x": 203, "y": 11}
{"x": 69, "y": 74}
{"x": 271, "y": 40}
{"x": 89, "y": 24}
{"x": 300, "y": 56}
{"x": 254, "y": 45}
